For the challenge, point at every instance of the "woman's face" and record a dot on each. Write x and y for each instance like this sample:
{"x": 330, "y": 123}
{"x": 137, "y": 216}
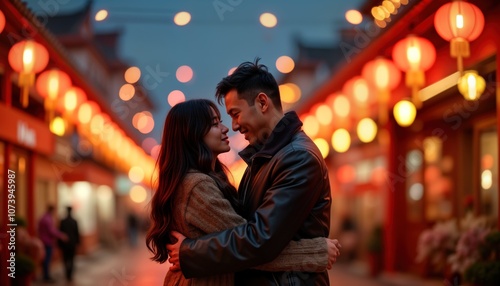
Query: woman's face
{"x": 216, "y": 138}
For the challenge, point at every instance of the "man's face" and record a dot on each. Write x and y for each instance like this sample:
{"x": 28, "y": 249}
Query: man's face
{"x": 246, "y": 119}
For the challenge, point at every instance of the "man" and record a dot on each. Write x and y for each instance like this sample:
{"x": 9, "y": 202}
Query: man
{"x": 285, "y": 191}
{"x": 69, "y": 226}
{"x": 49, "y": 234}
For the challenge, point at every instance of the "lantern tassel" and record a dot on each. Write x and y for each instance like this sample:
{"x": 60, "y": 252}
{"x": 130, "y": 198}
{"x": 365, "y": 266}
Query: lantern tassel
{"x": 25, "y": 81}
{"x": 459, "y": 48}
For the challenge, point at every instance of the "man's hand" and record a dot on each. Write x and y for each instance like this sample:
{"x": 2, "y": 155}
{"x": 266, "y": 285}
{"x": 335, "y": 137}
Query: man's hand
{"x": 333, "y": 251}
{"x": 173, "y": 251}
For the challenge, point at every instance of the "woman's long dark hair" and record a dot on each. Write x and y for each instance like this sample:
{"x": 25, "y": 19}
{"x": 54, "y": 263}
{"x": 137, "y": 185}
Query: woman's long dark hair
{"x": 182, "y": 149}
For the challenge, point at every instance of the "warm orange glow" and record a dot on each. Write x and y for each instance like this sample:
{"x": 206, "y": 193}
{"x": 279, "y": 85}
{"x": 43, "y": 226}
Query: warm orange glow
{"x": 127, "y": 91}
{"x": 97, "y": 124}
{"x": 285, "y": 64}
{"x": 341, "y": 106}
{"x": 324, "y": 114}
{"x": 366, "y": 130}
{"x": 268, "y": 20}
{"x": 138, "y": 194}
{"x": 381, "y": 73}
{"x": 73, "y": 97}
{"x": 57, "y": 126}
{"x": 459, "y": 19}
{"x": 101, "y": 15}
{"x": 378, "y": 13}
{"x": 346, "y": 174}
{"x": 323, "y": 146}
{"x": 341, "y": 140}
{"x": 136, "y": 174}
{"x": 289, "y": 92}
{"x": 354, "y": 17}
{"x": 357, "y": 87}
{"x": 132, "y": 74}
{"x": 231, "y": 70}
{"x": 175, "y": 97}
{"x": 148, "y": 144}
{"x": 414, "y": 54}
{"x": 2, "y": 21}
{"x": 182, "y": 18}
{"x": 51, "y": 85}
{"x": 404, "y": 113}
{"x": 471, "y": 85}
{"x": 145, "y": 124}
{"x": 27, "y": 58}
{"x": 184, "y": 74}
{"x": 86, "y": 111}
{"x": 311, "y": 125}
{"x": 389, "y": 6}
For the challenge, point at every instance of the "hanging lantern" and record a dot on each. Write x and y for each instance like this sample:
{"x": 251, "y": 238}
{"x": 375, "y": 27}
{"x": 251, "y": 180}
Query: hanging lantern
{"x": 27, "y": 58}
{"x": 384, "y": 76}
{"x": 471, "y": 85}
{"x": 414, "y": 55}
{"x": 68, "y": 105}
{"x": 357, "y": 88}
{"x": 51, "y": 85}
{"x": 2, "y": 21}
{"x": 459, "y": 23}
{"x": 404, "y": 113}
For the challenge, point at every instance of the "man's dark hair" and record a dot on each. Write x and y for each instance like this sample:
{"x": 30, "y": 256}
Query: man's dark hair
{"x": 249, "y": 79}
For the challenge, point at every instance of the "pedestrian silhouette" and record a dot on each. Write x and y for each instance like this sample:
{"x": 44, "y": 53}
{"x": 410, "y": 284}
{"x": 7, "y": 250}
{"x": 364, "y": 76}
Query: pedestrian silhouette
{"x": 49, "y": 234}
{"x": 132, "y": 229}
{"x": 69, "y": 226}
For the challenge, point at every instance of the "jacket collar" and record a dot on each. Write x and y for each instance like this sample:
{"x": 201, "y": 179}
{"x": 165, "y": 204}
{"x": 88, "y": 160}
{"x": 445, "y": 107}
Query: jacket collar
{"x": 288, "y": 126}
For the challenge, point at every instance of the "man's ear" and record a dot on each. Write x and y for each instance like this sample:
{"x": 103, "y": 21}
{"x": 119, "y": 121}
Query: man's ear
{"x": 262, "y": 101}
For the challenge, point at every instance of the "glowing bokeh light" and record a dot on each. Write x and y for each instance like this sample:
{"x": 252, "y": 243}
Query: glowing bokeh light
{"x": 132, "y": 74}
{"x": 285, "y": 64}
{"x": 176, "y": 96}
{"x": 182, "y": 18}
{"x": 354, "y": 17}
{"x": 101, "y": 15}
{"x": 268, "y": 20}
{"x": 184, "y": 74}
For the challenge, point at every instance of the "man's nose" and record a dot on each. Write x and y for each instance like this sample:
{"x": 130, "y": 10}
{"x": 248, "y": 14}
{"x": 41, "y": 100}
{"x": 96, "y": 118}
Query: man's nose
{"x": 235, "y": 125}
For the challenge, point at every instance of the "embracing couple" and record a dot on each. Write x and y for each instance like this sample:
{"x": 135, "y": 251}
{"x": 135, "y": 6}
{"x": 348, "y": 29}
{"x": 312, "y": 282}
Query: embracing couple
{"x": 274, "y": 229}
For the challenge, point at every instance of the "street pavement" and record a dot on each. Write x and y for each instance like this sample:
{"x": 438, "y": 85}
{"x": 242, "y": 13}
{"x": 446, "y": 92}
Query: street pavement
{"x": 127, "y": 266}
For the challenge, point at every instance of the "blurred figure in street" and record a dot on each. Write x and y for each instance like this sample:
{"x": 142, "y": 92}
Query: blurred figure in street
{"x": 132, "y": 229}
{"x": 69, "y": 226}
{"x": 48, "y": 233}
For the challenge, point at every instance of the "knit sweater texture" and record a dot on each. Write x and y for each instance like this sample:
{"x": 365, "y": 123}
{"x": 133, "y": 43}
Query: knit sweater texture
{"x": 200, "y": 208}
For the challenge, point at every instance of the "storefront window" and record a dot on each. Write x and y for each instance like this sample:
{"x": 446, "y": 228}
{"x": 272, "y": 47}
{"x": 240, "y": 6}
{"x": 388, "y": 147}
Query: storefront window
{"x": 488, "y": 178}
{"x": 437, "y": 180}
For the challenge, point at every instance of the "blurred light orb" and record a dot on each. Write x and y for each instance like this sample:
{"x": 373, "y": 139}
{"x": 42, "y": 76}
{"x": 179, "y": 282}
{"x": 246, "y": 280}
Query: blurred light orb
{"x": 268, "y": 20}
{"x": 285, "y": 64}
{"x": 311, "y": 125}
{"x": 405, "y": 113}
{"x": 289, "y": 92}
{"x": 324, "y": 114}
{"x": 184, "y": 74}
{"x": 323, "y": 146}
{"x": 176, "y": 96}
{"x": 138, "y": 194}
{"x": 127, "y": 91}
{"x": 182, "y": 18}
{"x": 230, "y": 72}
{"x": 136, "y": 174}
{"x": 58, "y": 126}
{"x": 354, "y": 17}
{"x": 416, "y": 192}
{"x": 341, "y": 106}
{"x": 132, "y": 74}
{"x": 366, "y": 130}
{"x": 101, "y": 15}
{"x": 341, "y": 140}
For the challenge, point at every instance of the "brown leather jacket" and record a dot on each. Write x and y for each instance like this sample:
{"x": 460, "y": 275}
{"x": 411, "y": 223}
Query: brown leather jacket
{"x": 285, "y": 193}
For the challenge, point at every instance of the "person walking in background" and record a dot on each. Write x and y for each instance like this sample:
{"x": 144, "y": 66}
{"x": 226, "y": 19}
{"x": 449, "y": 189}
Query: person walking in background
{"x": 48, "y": 233}
{"x": 194, "y": 195}
{"x": 69, "y": 226}
{"x": 132, "y": 229}
{"x": 284, "y": 193}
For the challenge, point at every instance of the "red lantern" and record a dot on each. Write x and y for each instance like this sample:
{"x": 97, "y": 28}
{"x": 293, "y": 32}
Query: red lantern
{"x": 2, "y": 21}
{"x": 414, "y": 55}
{"x": 459, "y": 22}
{"x": 384, "y": 76}
{"x": 27, "y": 58}
{"x": 51, "y": 85}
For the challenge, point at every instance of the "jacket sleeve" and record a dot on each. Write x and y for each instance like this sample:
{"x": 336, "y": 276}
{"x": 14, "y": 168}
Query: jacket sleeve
{"x": 208, "y": 210}
{"x": 297, "y": 179}
{"x": 308, "y": 255}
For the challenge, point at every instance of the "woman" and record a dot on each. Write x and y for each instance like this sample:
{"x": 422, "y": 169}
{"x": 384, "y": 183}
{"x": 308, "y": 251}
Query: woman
{"x": 194, "y": 196}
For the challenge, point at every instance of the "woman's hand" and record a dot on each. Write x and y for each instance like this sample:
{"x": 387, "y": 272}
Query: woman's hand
{"x": 333, "y": 251}
{"x": 173, "y": 251}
